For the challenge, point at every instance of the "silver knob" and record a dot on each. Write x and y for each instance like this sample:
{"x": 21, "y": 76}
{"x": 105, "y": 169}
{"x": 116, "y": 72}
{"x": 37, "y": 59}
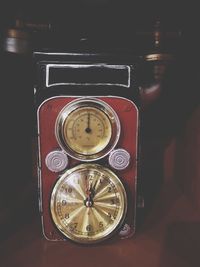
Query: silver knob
{"x": 125, "y": 231}
{"x": 56, "y": 161}
{"x": 119, "y": 159}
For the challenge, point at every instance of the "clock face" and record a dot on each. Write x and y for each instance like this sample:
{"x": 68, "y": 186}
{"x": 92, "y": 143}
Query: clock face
{"x": 88, "y": 203}
{"x": 87, "y": 129}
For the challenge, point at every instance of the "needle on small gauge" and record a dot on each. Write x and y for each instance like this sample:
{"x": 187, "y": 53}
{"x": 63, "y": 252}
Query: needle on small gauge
{"x": 88, "y": 129}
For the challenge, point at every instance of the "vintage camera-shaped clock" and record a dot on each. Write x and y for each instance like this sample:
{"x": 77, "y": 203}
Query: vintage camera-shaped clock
{"x": 87, "y": 117}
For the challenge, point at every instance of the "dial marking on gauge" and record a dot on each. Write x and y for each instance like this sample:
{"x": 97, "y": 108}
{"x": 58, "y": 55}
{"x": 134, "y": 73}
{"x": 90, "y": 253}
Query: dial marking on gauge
{"x": 108, "y": 215}
{"x": 88, "y": 222}
{"x": 100, "y": 222}
{"x": 87, "y": 217}
{"x": 87, "y": 129}
{"x": 73, "y": 215}
{"x": 73, "y": 192}
{"x": 106, "y": 197}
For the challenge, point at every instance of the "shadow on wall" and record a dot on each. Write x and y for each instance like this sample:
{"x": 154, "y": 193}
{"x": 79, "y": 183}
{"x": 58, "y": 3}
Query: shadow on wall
{"x": 172, "y": 115}
{"x": 187, "y": 161}
{"x": 181, "y": 245}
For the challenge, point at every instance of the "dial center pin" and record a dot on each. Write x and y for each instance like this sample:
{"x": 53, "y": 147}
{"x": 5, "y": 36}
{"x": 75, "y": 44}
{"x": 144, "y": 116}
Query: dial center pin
{"x": 89, "y": 202}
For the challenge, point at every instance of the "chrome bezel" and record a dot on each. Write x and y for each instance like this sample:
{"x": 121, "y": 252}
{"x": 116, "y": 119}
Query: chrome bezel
{"x": 88, "y": 102}
{"x": 101, "y": 236}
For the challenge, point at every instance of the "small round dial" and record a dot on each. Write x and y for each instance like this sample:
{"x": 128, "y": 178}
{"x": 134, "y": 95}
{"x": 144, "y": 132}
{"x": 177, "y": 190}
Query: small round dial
{"x": 87, "y": 129}
{"x": 88, "y": 203}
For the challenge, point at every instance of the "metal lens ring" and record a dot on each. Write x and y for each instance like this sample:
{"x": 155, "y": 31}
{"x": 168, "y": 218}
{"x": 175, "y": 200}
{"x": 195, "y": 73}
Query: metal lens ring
{"x": 71, "y": 137}
{"x": 119, "y": 159}
{"x": 56, "y": 161}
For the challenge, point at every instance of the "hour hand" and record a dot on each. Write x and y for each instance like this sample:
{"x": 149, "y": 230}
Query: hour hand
{"x": 92, "y": 189}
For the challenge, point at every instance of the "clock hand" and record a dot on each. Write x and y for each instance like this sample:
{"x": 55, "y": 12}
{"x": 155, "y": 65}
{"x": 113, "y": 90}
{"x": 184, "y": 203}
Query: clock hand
{"x": 88, "y": 120}
{"x": 88, "y": 129}
{"x": 89, "y": 201}
{"x": 92, "y": 189}
{"x": 89, "y": 198}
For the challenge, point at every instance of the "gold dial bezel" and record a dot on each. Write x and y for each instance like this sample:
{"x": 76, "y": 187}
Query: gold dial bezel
{"x": 93, "y": 103}
{"x": 113, "y": 227}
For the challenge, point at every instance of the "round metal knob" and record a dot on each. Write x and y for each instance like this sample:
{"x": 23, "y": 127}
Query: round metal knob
{"x": 119, "y": 159}
{"x": 125, "y": 231}
{"x": 56, "y": 161}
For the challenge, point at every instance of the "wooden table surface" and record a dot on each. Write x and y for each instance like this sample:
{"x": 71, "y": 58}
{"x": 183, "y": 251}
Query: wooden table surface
{"x": 170, "y": 236}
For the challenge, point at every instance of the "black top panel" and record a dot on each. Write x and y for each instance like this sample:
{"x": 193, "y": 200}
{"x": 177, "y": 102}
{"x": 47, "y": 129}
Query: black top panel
{"x": 88, "y": 74}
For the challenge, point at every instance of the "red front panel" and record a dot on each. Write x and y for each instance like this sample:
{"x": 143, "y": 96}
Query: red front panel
{"x": 47, "y": 114}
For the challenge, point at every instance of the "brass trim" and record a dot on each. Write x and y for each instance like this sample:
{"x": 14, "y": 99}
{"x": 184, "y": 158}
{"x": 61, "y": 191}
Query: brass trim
{"x": 86, "y": 214}
{"x": 99, "y": 105}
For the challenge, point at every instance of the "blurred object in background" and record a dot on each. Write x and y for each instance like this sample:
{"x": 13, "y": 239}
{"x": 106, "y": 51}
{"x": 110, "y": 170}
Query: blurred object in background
{"x": 20, "y": 38}
{"x": 159, "y": 53}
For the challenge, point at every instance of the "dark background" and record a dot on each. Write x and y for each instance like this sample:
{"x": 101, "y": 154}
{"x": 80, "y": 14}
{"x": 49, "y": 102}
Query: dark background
{"x": 98, "y": 17}
{"x": 110, "y": 22}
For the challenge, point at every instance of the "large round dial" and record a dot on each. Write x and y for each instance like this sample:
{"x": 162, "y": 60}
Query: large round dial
{"x": 87, "y": 129}
{"x": 88, "y": 203}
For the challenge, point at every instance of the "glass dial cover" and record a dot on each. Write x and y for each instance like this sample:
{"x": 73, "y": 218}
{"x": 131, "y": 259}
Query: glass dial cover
{"x": 88, "y": 203}
{"x": 87, "y": 129}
